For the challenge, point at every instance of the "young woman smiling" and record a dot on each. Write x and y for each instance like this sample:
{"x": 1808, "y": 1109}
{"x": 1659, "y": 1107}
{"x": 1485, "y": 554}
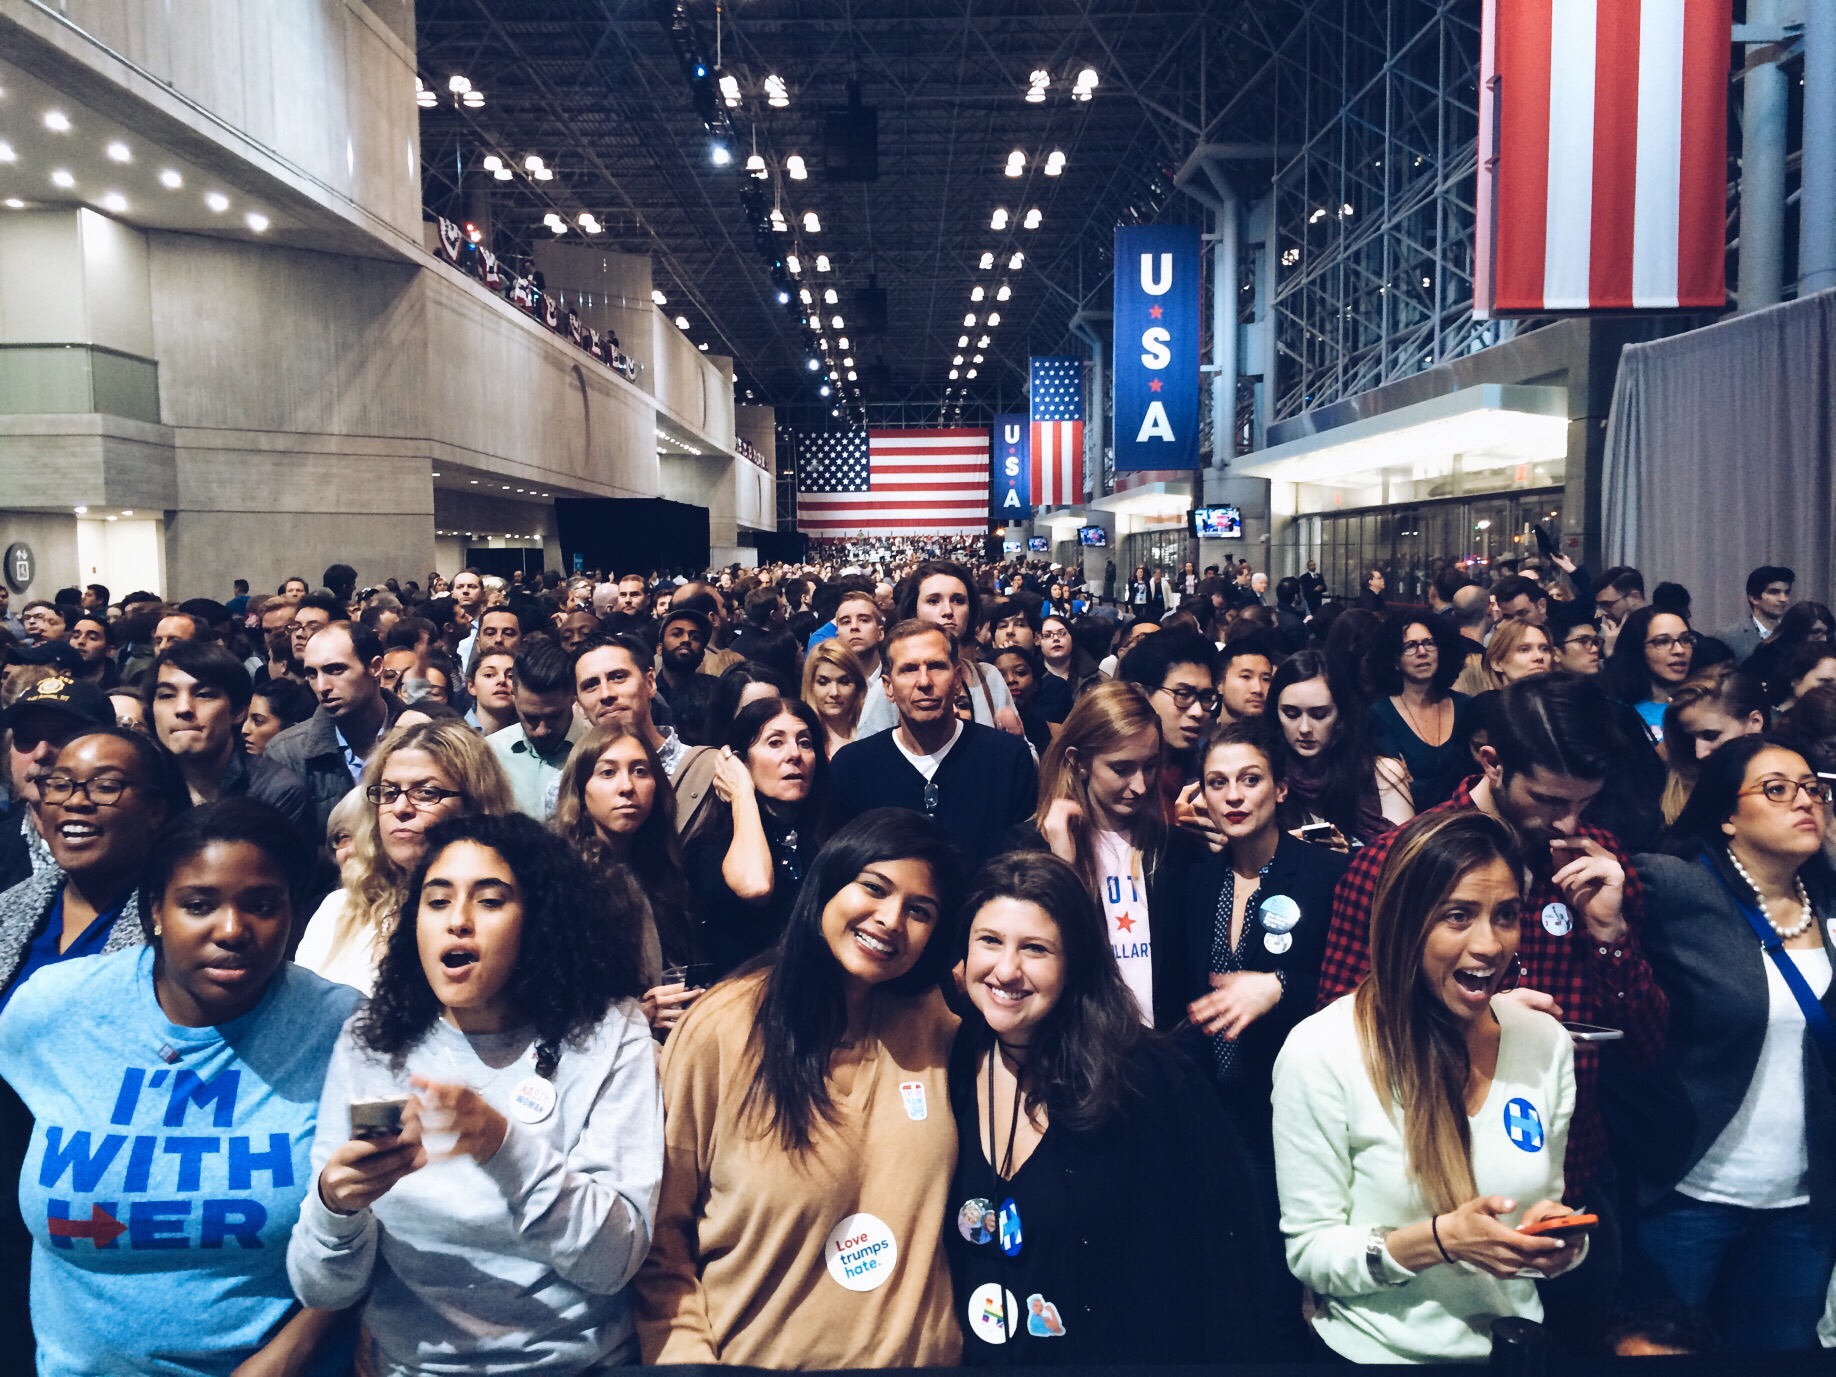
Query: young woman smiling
{"x": 1414, "y": 1115}
{"x": 1059, "y": 1095}
{"x": 1735, "y": 1197}
{"x": 1332, "y": 774}
{"x": 616, "y": 809}
{"x": 500, "y": 1225}
{"x": 1100, "y": 812}
{"x": 809, "y": 1143}
{"x": 213, "y": 993}
{"x": 1650, "y": 661}
{"x": 748, "y": 854}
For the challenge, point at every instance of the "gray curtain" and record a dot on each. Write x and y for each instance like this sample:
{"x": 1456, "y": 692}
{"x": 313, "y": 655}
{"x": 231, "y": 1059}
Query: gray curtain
{"x": 1718, "y": 457}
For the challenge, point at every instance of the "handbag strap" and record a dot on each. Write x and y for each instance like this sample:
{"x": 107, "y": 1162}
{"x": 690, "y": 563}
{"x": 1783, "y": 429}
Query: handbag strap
{"x": 1821, "y": 1028}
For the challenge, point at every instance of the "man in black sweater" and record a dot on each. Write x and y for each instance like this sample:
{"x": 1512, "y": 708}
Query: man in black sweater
{"x": 976, "y": 781}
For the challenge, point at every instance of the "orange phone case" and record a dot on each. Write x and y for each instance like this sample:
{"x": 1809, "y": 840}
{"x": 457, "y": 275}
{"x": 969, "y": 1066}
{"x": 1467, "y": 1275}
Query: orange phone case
{"x": 1561, "y": 1224}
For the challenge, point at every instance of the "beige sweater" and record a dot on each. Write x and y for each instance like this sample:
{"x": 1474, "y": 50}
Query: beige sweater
{"x": 749, "y": 1260}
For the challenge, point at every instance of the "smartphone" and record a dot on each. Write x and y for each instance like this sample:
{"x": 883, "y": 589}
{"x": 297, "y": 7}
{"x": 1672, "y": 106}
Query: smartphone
{"x": 377, "y": 1118}
{"x": 1543, "y": 542}
{"x": 1593, "y": 1032}
{"x": 1562, "y": 1226}
{"x": 1317, "y": 831}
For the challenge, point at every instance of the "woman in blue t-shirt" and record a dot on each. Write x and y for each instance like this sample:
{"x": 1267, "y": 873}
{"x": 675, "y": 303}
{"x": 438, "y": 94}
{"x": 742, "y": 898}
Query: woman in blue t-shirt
{"x": 172, "y": 1129}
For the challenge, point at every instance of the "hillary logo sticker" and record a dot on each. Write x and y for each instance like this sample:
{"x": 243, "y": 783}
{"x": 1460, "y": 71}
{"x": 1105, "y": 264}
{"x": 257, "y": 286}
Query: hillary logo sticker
{"x": 912, "y": 1092}
{"x": 1523, "y": 1125}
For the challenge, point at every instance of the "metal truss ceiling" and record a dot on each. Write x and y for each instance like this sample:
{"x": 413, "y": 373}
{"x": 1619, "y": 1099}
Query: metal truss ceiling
{"x": 597, "y": 91}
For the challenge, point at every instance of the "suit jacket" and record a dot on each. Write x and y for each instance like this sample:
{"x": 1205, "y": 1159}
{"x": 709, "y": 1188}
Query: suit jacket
{"x": 1743, "y": 639}
{"x": 312, "y": 751}
{"x": 1307, "y": 874}
{"x": 1708, "y": 961}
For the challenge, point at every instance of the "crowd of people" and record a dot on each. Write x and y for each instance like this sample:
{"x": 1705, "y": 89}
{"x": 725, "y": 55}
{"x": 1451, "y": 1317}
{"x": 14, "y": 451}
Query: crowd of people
{"x": 906, "y": 959}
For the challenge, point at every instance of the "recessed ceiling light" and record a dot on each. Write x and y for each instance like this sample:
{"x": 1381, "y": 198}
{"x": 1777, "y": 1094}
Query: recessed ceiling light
{"x": 257, "y": 221}
{"x": 171, "y": 180}
{"x": 114, "y": 201}
{"x": 217, "y": 201}
{"x": 14, "y": 203}
{"x": 57, "y": 121}
{"x": 6, "y": 153}
{"x": 63, "y": 179}
{"x": 120, "y": 152}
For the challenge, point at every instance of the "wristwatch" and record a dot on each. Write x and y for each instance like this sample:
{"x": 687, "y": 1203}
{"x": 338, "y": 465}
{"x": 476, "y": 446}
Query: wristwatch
{"x": 1374, "y": 1253}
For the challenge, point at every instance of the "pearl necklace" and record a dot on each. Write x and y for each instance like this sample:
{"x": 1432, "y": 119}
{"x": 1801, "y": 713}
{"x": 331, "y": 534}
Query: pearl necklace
{"x": 1785, "y": 934}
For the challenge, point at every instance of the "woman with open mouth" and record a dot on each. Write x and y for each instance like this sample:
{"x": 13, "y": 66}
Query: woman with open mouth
{"x": 1417, "y": 1118}
{"x": 1060, "y": 1096}
{"x": 490, "y": 1138}
{"x": 211, "y": 1003}
{"x": 748, "y": 852}
{"x": 419, "y": 776}
{"x": 810, "y": 1141}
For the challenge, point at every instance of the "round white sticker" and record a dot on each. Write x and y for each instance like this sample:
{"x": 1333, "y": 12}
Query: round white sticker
{"x": 986, "y": 1318}
{"x": 861, "y": 1252}
{"x": 533, "y": 1100}
{"x": 1277, "y": 942}
{"x": 1557, "y": 921}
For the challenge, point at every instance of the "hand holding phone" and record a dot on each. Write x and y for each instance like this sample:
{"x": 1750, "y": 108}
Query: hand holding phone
{"x": 380, "y": 1118}
{"x": 1594, "y": 1032}
{"x": 1561, "y": 1226}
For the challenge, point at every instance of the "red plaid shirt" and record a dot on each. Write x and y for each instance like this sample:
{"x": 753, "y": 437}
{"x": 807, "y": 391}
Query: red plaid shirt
{"x": 1612, "y": 986}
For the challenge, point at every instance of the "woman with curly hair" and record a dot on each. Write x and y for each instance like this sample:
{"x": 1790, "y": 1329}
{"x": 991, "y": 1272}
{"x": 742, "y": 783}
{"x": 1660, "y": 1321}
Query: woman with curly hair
{"x": 420, "y": 775}
{"x": 1415, "y": 714}
{"x": 490, "y": 1139}
{"x": 616, "y": 810}
{"x": 809, "y": 1145}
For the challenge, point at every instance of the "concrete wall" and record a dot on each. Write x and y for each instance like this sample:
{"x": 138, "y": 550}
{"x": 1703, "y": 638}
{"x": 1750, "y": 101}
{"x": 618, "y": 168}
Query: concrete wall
{"x": 325, "y": 87}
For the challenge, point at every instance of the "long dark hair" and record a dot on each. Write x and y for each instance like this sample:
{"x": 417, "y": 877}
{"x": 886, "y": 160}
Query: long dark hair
{"x": 914, "y": 581}
{"x": 1625, "y": 674}
{"x": 1078, "y": 1061}
{"x": 567, "y": 975}
{"x": 1346, "y": 767}
{"x": 1716, "y": 796}
{"x": 803, "y": 1011}
{"x": 813, "y": 813}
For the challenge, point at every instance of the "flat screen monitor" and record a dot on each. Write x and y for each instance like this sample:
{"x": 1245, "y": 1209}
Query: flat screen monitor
{"x": 1010, "y": 547}
{"x": 1217, "y": 523}
{"x": 1038, "y": 544}
{"x": 1092, "y": 535}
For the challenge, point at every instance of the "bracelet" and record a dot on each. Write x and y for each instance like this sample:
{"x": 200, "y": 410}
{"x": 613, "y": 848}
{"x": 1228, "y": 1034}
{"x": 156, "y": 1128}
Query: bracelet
{"x": 1434, "y": 1227}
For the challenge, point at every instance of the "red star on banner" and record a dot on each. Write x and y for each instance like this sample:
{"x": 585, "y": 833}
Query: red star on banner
{"x": 1154, "y": 386}
{"x": 1124, "y": 922}
{"x": 1154, "y": 312}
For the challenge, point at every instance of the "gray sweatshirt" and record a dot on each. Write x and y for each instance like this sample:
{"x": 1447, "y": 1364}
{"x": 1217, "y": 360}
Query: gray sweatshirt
{"x": 517, "y": 1263}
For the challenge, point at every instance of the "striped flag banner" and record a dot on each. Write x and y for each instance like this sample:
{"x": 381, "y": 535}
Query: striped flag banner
{"x": 893, "y": 482}
{"x": 1602, "y": 155}
{"x": 1055, "y": 406}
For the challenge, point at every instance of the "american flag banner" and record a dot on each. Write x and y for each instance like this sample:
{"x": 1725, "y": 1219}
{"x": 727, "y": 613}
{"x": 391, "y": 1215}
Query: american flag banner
{"x": 1602, "y": 155}
{"x": 893, "y": 482}
{"x": 1056, "y": 410}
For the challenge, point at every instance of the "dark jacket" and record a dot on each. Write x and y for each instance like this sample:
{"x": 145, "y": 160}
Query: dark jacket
{"x": 1142, "y": 1233}
{"x": 1307, "y": 874}
{"x": 986, "y": 784}
{"x": 311, "y": 749}
{"x": 268, "y": 781}
{"x": 1166, "y": 881}
{"x": 1711, "y": 966}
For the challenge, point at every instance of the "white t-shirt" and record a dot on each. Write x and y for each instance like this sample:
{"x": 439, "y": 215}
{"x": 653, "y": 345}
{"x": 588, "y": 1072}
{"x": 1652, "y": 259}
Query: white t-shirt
{"x": 1125, "y": 915}
{"x": 1760, "y": 1160}
{"x": 926, "y": 765}
{"x": 352, "y": 962}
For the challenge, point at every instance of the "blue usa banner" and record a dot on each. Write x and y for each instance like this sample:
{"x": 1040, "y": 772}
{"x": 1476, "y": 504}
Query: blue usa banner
{"x": 1010, "y": 479}
{"x": 1157, "y": 346}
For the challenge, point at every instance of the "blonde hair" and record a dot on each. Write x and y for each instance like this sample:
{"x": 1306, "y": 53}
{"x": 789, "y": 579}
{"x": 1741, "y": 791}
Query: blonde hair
{"x": 374, "y": 886}
{"x": 1102, "y": 720}
{"x": 344, "y": 817}
{"x": 1414, "y": 1053}
{"x": 837, "y": 656}
{"x": 1507, "y": 636}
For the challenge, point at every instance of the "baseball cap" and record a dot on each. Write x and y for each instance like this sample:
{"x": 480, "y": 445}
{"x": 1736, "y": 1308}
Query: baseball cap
{"x": 689, "y": 614}
{"x": 59, "y": 693}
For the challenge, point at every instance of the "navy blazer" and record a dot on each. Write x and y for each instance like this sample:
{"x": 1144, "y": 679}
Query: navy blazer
{"x": 1307, "y": 874}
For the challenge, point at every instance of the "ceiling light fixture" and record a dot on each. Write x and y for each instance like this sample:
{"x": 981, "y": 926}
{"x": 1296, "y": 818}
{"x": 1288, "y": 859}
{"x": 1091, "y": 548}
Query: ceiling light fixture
{"x": 837, "y": 322}
{"x": 756, "y": 166}
{"x": 257, "y": 222}
{"x": 682, "y": 322}
{"x": 962, "y": 341}
{"x": 999, "y": 218}
{"x": 1086, "y": 84}
{"x": 830, "y": 296}
{"x": 1036, "y": 86}
{"x": 1055, "y": 163}
{"x": 217, "y": 201}
{"x": 119, "y": 152}
{"x": 114, "y": 201}
{"x": 975, "y": 293}
{"x": 822, "y": 262}
{"x": 1017, "y": 262}
{"x": 1032, "y": 219}
{"x": 994, "y": 319}
{"x": 62, "y": 178}
{"x": 803, "y": 295}
{"x": 969, "y": 321}
{"x": 970, "y": 373}
{"x": 811, "y": 224}
{"x": 987, "y": 261}
{"x": 729, "y": 91}
{"x": 955, "y": 374}
{"x": 57, "y": 121}
{"x": 14, "y": 203}
{"x": 720, "y": 154}
{"x": 423, "y": 97}
{"x": 775, "y": 94}
{"x": 6, "y": 153}
{"x": 957, "y": 359}
{"x": 794, "y": 168}
{"x": 842, "y": 343}
{"x": 1003, "y": 292}
{"x": 1016, "y": 163}
{"x": 794, "y": 263}
{"x": 656, "y": 295}
{"x": 463, "y": 92}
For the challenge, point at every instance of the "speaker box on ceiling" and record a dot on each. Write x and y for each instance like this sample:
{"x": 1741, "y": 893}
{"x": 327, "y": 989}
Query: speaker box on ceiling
{"x": 851, "y": 144}
{"x": 876, "y": 379}
{"x": 869, "y": 314}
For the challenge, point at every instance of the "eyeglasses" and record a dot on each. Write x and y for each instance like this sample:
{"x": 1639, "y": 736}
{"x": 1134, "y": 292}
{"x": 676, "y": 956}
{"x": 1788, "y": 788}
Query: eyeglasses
{"x": 105, "y": 792}
{"x": 1184, "y": 696}
{"x": 930, "y": 797}
{"x": 421, "y": 795}
{"x": 1668, "y": 642}
{"x": 1587, "y": 642}
{"x": 1784, "y": 791}
{"x": 1416, "y": 647}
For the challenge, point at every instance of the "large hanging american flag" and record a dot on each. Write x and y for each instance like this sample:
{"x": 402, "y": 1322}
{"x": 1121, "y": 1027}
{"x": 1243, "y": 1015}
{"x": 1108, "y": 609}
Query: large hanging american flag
{"x": 893, "y": 482}
{"x": 1602, "y": 155}
{"x": 1056, "y": 409}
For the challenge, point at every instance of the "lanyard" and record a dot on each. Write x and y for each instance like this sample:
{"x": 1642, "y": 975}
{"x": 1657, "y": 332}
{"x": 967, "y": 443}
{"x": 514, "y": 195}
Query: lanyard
{"x": 1821, "y": 1029}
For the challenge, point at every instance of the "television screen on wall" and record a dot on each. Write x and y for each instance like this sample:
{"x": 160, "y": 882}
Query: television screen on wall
{"x": 1217, "y": 523}
{"x": 1038, "y": 544}
{"x": 1092, "y": 535}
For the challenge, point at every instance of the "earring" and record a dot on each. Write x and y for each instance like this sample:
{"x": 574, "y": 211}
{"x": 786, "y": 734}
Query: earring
{"x": 157, "y": 929}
